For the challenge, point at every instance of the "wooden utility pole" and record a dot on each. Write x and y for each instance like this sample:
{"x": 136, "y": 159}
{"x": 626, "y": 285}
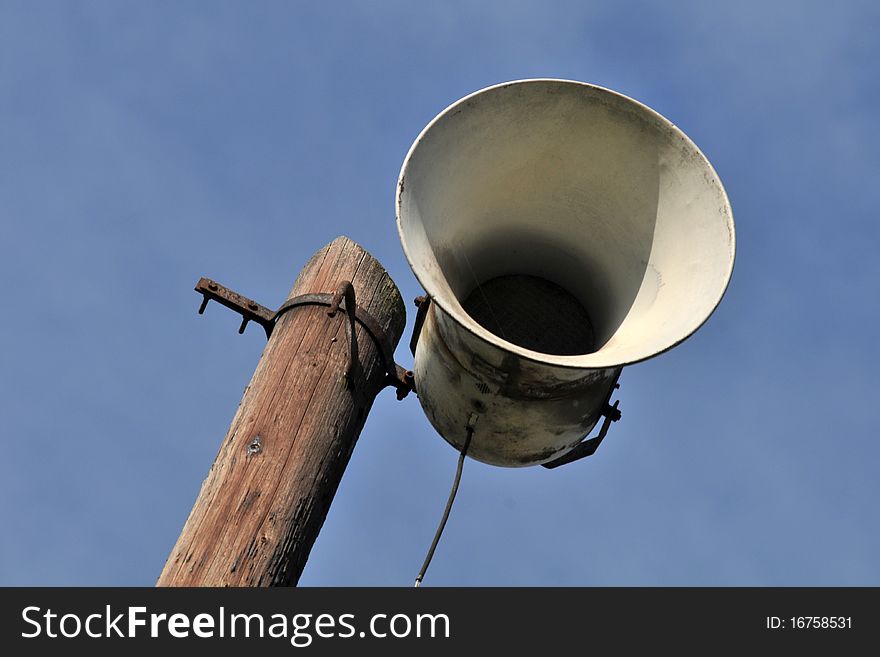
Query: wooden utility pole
{"x": 270, "y": 487}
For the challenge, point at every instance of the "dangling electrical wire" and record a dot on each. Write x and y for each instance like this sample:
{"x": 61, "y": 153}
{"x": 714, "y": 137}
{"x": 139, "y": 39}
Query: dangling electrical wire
{"x": 464, "y": 449}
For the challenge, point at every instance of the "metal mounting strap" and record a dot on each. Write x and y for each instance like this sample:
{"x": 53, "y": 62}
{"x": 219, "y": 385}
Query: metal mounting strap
{"x": 395, "y": 375}
{"x": 588, "y": 447}
{"x": 345, "y": 290}
{"x": 423, "y": 304}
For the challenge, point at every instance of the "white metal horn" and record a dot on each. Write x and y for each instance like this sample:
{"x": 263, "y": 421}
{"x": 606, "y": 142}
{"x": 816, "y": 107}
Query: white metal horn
{"x": 562, "y": 231}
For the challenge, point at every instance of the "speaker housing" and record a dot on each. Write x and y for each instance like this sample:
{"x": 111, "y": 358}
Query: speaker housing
{"x": 562, "y": 231}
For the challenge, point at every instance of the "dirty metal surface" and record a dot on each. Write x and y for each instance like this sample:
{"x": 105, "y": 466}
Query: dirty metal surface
{"x": 526, "y": 416}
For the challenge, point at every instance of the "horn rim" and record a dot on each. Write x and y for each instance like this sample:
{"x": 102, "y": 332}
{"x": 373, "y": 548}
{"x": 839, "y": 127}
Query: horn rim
{"x": 592, "y": 360}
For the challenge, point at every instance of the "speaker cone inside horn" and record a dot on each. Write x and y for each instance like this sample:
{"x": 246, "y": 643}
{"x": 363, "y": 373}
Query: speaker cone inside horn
{"x": 532, "y": 312}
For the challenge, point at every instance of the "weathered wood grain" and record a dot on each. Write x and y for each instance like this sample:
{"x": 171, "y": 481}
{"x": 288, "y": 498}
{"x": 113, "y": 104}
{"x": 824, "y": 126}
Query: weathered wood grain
{"x": 268, "y": 492}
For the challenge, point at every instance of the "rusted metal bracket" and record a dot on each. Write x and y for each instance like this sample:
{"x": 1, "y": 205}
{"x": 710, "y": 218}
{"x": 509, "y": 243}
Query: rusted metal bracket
{"x": 423, "y": 304}
{"x": 249, "y": 309}
{"x": 344, "y": 297}
{"x": 588, "y": 447}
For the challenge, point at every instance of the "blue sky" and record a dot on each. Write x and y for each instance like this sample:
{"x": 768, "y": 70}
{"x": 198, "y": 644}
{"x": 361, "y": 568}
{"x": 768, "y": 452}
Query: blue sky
{"x": 143, "y": 145}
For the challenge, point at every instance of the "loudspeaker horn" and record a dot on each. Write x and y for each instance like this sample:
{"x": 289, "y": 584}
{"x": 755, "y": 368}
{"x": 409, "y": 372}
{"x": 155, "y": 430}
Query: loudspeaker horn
{"x": 561, "y": 231}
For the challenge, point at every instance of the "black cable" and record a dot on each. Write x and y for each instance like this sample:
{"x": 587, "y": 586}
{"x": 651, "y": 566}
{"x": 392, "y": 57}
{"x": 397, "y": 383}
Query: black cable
{"x": 464, "y": 449}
